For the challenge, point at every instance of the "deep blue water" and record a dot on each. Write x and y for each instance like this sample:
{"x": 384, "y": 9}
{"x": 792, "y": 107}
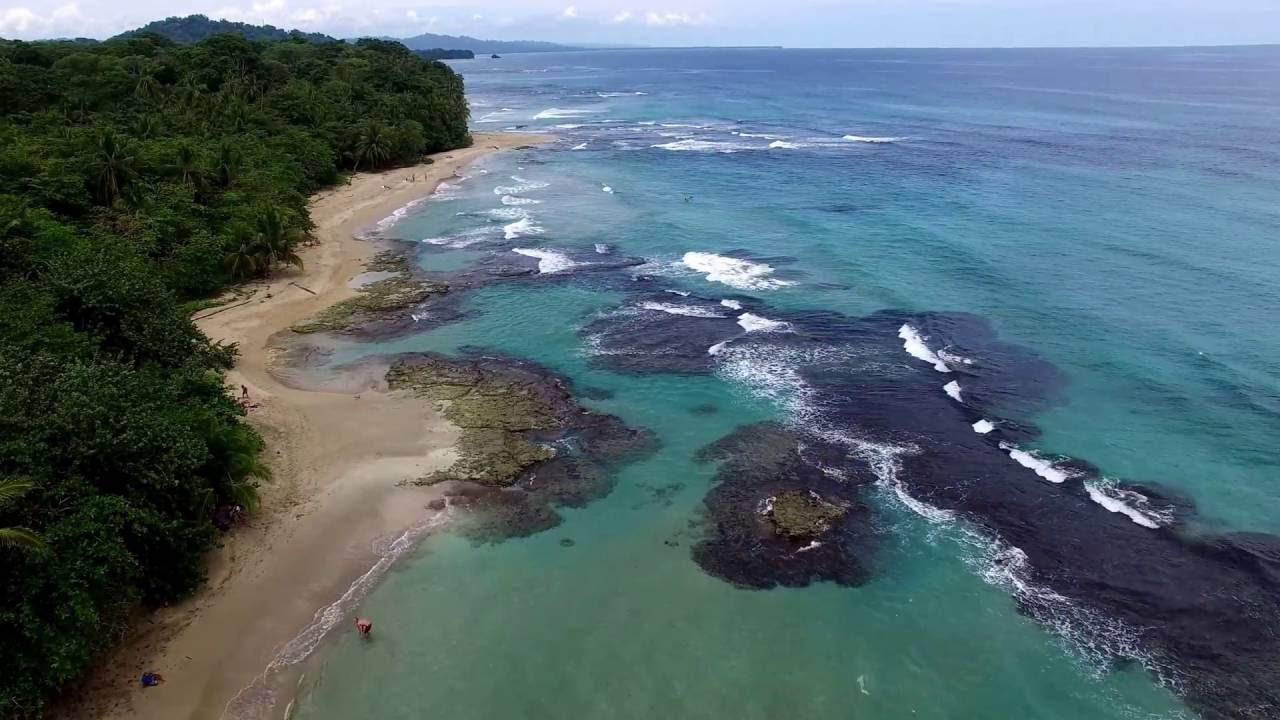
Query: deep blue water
{"x": 1082, "y": 241}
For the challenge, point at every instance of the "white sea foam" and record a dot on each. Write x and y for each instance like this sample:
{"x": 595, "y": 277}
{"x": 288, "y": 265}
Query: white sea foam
{"x": 734, "y": 272}
{"x": 607, "y": 189}
{"x": 759, "y": 136}
{"x": 619, "y": 94}
{"x": 953, "y": 358}
{"x": 784, "y": 145}
{"x": 982, "y": 427}
{"x": 914, "y": 343}
{"x": 557, "y": 113}
{"x": 1129, "y": 503}
{"x": 686, "y": 310}
{"x": 691, "y": 145}
{"x": 521, "y": 228}
{"x": 681, "y": 293}
{"x": 755, "y": 323}
{"x": 580, "y": 146}
{"x": 861, "y": 139}
{"x": 397, "y": 214}
{"x": 953, "y": 390}
{"x": 464, "y": 238}
{"x": 522, "y": 186}
{"x": 549, "y": 261}
{"x": 445, "y": 191}
{"x": 731, "y": 304}
{"x": 1031, "y": 460}
{"x": 507, "y": 213}
{"x": 602, "y": 248}
{"x": 497, "y": 116}
{"x": 513, "y": 200}
{"x": 569, "y": 126}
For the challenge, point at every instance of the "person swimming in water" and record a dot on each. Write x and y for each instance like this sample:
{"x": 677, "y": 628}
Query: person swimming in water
{"x": 364, "y": 625}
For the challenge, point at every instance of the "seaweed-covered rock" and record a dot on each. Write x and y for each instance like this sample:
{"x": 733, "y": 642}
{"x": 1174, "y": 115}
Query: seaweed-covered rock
{"x": 802, "y": 514}
{"x": 401, "y": 293}
{"x": 526, "y": 444}
{"x": 777, "y": 515}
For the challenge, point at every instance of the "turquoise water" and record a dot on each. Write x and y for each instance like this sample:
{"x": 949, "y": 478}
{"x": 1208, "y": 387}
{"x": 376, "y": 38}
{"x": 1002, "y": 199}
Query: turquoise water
{"x": 1114, "y": 213}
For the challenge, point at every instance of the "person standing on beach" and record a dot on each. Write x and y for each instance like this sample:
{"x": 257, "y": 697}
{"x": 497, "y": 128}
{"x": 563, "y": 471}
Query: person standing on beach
{"x": 364, "y": 625}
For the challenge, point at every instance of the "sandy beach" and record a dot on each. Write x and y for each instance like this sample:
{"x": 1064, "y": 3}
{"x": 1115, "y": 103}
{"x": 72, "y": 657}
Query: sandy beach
{"x": 339, "y": 460}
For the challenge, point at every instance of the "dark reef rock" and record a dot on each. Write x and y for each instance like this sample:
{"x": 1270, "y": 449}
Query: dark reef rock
{"x": 704, "y": 409}
{"x": 567, "y": 542}
{"x": 753, "y": 542}
{"x": 526, "y": 445}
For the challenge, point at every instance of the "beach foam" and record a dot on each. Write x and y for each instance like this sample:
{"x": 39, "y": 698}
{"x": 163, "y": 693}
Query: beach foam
{"x": 520, "y": 228}
{"x": 686, "y": 310}
{"x": 464, "y": 238}
{"x": 952, "y": 389}
{"x": 1031, "y": 460}
{"x": 734, "y": 272}
{"x": 556, "y": 113}
{"x": 691, "y": 145}
{"x": 398, "y": 214}
{"x": 755, "y": 323}
{"x": 549, "y": 261}
{"x": 914, "y": 343}
{"x": 982, "y": 427}
{"x": 513, "y": 200}
{"x": 522, "y": 186}
{"x": 580, "y": 146}
{"x": 1129, "y": 503}
{"x": 507, "y": 213}
{"x": 861, "y": 139}
{"x": 731, "y": 304}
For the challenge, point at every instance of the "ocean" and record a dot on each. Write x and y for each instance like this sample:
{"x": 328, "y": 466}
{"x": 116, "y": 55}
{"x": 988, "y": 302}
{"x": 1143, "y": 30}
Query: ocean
{"x": 1013, "y": 311}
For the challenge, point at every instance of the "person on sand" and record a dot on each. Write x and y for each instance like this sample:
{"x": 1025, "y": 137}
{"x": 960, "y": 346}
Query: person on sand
{"x": 151, "y": 679}
{"x": 364, "y": 625}
{"x": 244, "y": 392}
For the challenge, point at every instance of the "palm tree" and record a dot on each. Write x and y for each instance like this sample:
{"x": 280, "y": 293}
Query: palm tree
{"x": 373, "y": 146}
{"x": 187, "y": 164}
{"x": 17, "y": 537}
{"x": 228, "y": 163}
{"x": 243, "y": 259}
{"x": 114, "y": 165}
{"x": 277, "y": 240}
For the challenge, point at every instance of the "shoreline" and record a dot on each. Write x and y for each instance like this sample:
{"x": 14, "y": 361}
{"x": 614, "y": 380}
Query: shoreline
{"x": 336, "y": 511}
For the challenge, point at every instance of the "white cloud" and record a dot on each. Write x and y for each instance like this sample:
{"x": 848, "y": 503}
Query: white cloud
{"x": 670, "y": 19}
{"x": 570, "y": 12}
{"x": 62, "y": 21}
{"x": 623, "y": 16}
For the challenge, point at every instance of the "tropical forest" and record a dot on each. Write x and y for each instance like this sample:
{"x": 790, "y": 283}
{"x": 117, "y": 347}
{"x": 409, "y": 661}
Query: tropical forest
{"x": 139, "y": 179}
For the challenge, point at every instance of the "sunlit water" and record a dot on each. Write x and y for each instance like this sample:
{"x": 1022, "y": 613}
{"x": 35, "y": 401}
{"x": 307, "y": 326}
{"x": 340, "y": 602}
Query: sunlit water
{"x": 1115, "y": 212}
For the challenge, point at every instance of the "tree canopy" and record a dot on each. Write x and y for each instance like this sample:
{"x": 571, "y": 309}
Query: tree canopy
{"x": 138, "y": 177}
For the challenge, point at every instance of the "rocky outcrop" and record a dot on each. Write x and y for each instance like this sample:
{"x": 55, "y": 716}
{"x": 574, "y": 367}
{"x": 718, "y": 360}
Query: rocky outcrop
{"x": 780, "y": 513}
{"x": 526, "y": 446}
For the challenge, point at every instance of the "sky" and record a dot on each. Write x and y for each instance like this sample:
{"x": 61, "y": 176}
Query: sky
{"x": 794, "y": 23}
